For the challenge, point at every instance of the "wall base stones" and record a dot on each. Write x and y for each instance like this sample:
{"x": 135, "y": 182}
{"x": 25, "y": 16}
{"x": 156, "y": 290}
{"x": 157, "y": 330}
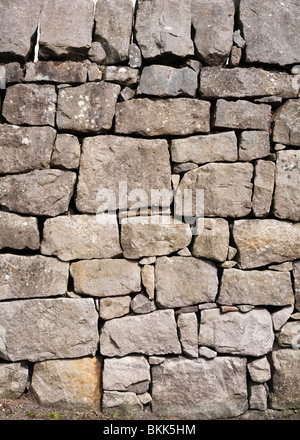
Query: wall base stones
{"x": 149, "y": 206}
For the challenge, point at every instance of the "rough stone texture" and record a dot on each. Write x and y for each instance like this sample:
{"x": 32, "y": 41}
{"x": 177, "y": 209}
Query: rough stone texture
{"x": 286, "y": 378}
{"x": 281, "y": 316}
{"x": 207, "y": 353}
{"x": 31, "y": 104}
{"x": 114, "y": 307}
{"x": 254, "y": 145}
{"x": 154, "y": 333}
{"x": 88, "y": 108}
{"x": 286, "y": 123}
{"x": 296, "y": 273}
{"x": 244, "y": 334}
{"x": 13, "y": 379}
{"x": 261, "y": 242}
{"x": 126, "y": 404}
{"x": 227, "y": 189}
{"x": 276, "y": 21}
{"x": 163, "y": 29}
{"x": 81, "y": 236}
{"x": 25, "y": 149}
{"x": 259, "y": 370}
{"x": 68, "y": 383}
{"x": 184, "y": 281}
{"x": 220, "y": 147}
{"x": 213, "y": 241}
{"x": 14, "y": 73}
{"x": 213, "y": 23}
{"x": 148, "y": 281}
{"x": 66, "y": 152}
{"x": 163, "y": 81}
{"x": 123, "y": 75}
{"x": 66, "y": 38}
{"x": 135, "y": 56}
{"x": 32, "y": 276}
{"x": 287, "y": 182}
{"x": 40, "y": 329}
{"x": 151, "y": 236}
{"x": 250, "y": 82}
{"x": 19, "y": 22}
{"x": 113, "y": 28}
{"x": 242, "y": 115}
{"x": 180, "y": 116}
{"x": 258, "y": 396}
{"x": 200, "y": 400}
{"x": 141, "y": 304}
{"x": 130, "y": 373}
{"x": 256, "y": 287}
{"x": 56, "y": 72}
{"x": 110, "y": 161}
{"x": 263, "y": 187}
{"x": 289, "y": 335}
{"x": 188, "y": 333}
{"x": 20, "y": 232}
{"x": 40, "y": 192}
{"x": 106, "y": 277}
{"x": 96, "y": 53}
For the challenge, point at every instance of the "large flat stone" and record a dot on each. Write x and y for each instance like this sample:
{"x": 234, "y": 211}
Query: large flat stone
{"x": 111, "y": 277}
{"x": 254, "y": 144}
{"x": 256, "y": 287}
{"x": 40, "y": 192}
{"x": 213, "y": 241}
{"x": 180, "y": 116}
{"x": 184, "y": 281}
{"x": 111, "y": 163}
{"x": 68, "y": 72}
{"x": 154, "y": 334}
{"x": 13, "y": 379}
{"x": 266, "y": 241}
{"x": 40, "y": 329}
{"x": 81, "y": 237}
{"x": 243, "y": 334}
{"x": 286, "y": 123}
{"x": 20, "y": 232}
{"x": 186, "y": 388}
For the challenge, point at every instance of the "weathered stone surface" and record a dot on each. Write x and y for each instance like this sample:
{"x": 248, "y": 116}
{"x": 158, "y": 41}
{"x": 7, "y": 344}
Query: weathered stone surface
{"x": 40, "y": 329}
{"x": 25, "y": 148}
{"x": 256, "y": 287}
{"x": 20, "y": 232}
{"x": 296, "y": 273}
{"x": 254, "y": 145}
{"x": 163, "y": 81}
{"x": 113, "y": 28}
{"x": 68, "y": 383}
{"x": 106, "y": 277}
{"x": 242, "y": 115}
{"x": 2, "y": 78}
{"x": 287, "y": 182}
{"x": 184, "y": 167}
{"x": 56, "y": 72}
{"x": 263, "y": 187}
{"x": 88, "y": 108}
{"x": 199, "y": 400}
{"x": 114, "y": 307}
{"x": 154, "y": 333}
{"x": 220, "y": 147}
{"x": 258, "y": 396}
{"x": 276, "y": 21}
{"x": 32, "y": 276}
{"x": 286, "y": 377}
{"x": 13, "y": 379}
{"x": 184, "y": 281}
{"x": 135, "y": 56}
{"x": 180, "y": 116}
{"x": 289, "y": 335}
{"x": 19, "y": 22}
{"x": 244, "y": 334}
{"x": 227, "y": 189}
{"x": 261, "y": 242}
{"x": 108, "y": 162}
{"x": 286, "y": 123}
{"x": 81, "y": 237}
{"x": 259, "y": 370}
{"x": 40, "y": 192}
{"x": 96, "y": 53}
{"x": 249, "y": 82}
{"x": 153, "y": 236}
{"x": 31, "y": 104}
{"x": 14, "y": 73}
{"x": 130, "y": 373}
{"x": 66, "y": 38}
{"x": 163, "y": 28}
{"x": 207, "y": 353}
{"x": 213, "y": 23}
{"x": 213, "y": 241}
{"x": 66, "y": 152}
{"x": 235, "y": 56}
{"x": 126, "y": 404}
{"x": 188, "y": 333}
{"x": 147, "y": 273}
{"x": 123, "y": 75}
{"x": 141, "y": 304}
{"x": 281, "y": 316}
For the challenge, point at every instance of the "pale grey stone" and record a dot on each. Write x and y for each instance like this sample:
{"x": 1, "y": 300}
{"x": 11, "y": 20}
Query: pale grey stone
{"x": 212, "y": 242}
{"x": 126, "y": 404}
{"x": 184, "y": 167}
{"x": 155, "y": 333}
{"x": 261, "y": 242}
{"x": 243, "y": 334}
{"x": 20, "y": 232}
{"x": 96, "y": 53}
{"x": 207, "y": 353}
{"x": 68, "y": 72}
{"x": 280, "y": 317}
{"x": 66, "y": 152}
{"x": 264, "y": 175}
{"x": 188, "y": 333}
{"x": 156, "y": 360}
{"x": 295, "y": 70}
{"x": 238, "y": 39}
{"x": 199, "y": 400}
{"x": 228, "y": 264}
{"x": 141, "y": 304}
{"x": 245, "y": 308}
{"x": 81, "y": 237}
{"x": 289, "y": 335}
{"x": 2, "y": 78}
{"x": 13, "y": 379}
{"x": 296, "y": 274}
{"x": 258, "y": 396}
{"x": 209, "y": 305}
{"x": 254, "y": 145}
{"x": 287, "y": 266}
{"x": 107, "y": 277}
{"x": 135, "y": 56}
{"x": 184, "y": 281}
{"x": 259, "y": 370}
{"x": 114, "y": 307}
{"x": 147, "y": 260}
{"x": 40, "y": 329}
{"x": 144, "y": 398}
{"x": 123, "y": 75}
{"x": 127, "y": 93}
{"x": 148, "y": 281}
{"x": 185, "y": 252}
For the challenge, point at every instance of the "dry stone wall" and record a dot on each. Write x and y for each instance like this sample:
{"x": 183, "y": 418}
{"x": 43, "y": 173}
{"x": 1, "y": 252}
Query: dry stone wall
{"x": 116, "y": 115}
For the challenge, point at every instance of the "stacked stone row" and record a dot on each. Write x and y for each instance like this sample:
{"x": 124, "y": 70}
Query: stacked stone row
{"x": 123, "y": 312}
